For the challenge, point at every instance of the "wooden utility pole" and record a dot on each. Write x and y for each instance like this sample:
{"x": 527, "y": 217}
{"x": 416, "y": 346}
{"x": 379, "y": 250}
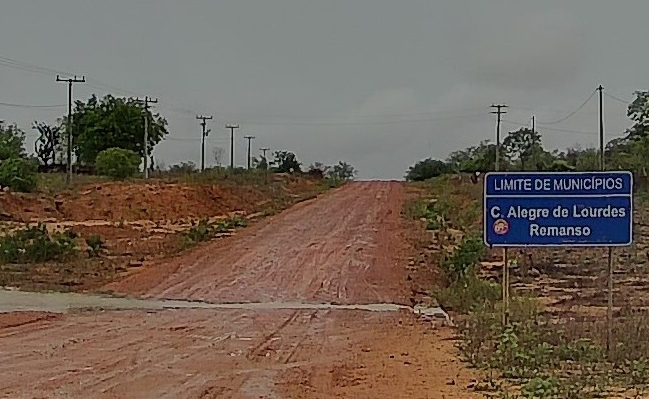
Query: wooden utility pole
{"x": 147, "y": 100}
{"x": 232, "y": 127}
{"x": 69, "y": 81}
{"x": 249, "y": 138}
{"x": 204, "y": 134}
{"x": 263, "y": 151}
{"x": 499, "y": 110}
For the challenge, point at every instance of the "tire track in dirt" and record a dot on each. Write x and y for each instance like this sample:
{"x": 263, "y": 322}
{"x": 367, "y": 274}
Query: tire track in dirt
{"x": 341, "y": 248}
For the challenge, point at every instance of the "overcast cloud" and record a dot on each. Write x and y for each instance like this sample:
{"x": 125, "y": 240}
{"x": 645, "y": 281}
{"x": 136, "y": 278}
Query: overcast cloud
{"x": 377, "y": 83}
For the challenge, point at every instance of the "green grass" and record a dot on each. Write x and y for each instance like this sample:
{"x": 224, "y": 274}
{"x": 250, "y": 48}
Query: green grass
{"x": 204, "y": 230}
{"x": 54, "y": 183}
{"x": 538, "y": 354}
{"x": 35, "y": 245}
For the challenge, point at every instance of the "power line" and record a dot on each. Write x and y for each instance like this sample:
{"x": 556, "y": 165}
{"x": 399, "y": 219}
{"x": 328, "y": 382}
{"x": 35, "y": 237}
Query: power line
{"x": 362, "y": 123}
{"x": 92, "y": 82}
{"x": 625, "y": 102}
{"x": 12, "y": 105}
{"x": 553, "y": 129}
{"x": 573, "y": 112}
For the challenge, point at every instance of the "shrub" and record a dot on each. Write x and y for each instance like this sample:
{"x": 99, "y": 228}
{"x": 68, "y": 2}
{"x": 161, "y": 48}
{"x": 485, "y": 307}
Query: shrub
{"x": 426, "y": 169}
{"x": 35, "y": 244}
{"x": 205, "y": 230}
{"x": 95, "y": 245}
{"x": 183, "y": 168}
{"x": 20, "y": 174}
{"x": 541, "y": 388}
{"x": 117, "y": 163}
{"x": 465, "y": 257}
{"x": 466, "y": 292}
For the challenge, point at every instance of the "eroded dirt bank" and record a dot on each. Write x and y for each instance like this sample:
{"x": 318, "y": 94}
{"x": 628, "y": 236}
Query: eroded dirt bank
{"x": 346, "y": 246}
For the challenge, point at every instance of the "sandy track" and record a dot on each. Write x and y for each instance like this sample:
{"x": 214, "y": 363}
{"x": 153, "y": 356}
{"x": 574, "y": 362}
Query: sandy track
{"x": 343, "y": 247}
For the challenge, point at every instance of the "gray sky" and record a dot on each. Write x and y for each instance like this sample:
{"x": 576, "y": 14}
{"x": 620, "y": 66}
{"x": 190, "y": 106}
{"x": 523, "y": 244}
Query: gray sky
{"x": 380, "y": 84}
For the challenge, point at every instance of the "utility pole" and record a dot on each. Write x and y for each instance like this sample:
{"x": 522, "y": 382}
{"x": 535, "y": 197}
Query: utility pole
{"x": 147, "y": 100}
{"x": 70, "y": 81}
{"x": 533, "y": 124}
{"x": 232, "y": 127}
{"x": 602, "y": 166}
{"x": 601, "y": 128}
{"x": 249, "y": 138}
{"x": 203, "y": 120}
{"x": 263, "y": 151}
{"x": 499, "y": 111}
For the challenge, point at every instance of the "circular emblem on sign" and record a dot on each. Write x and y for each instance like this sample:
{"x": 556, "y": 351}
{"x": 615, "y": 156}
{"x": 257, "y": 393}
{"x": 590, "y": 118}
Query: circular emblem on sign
{"x": 501, "y": 227}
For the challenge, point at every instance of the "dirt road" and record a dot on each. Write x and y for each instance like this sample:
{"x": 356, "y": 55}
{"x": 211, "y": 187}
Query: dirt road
{"x": 344, "y": 247}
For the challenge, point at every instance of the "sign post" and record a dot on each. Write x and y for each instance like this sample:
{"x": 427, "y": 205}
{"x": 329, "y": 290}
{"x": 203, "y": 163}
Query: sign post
{"x": 570, "y": 209}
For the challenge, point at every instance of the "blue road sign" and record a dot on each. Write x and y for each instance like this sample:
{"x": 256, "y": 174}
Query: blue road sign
{"x": 558, "y": 209}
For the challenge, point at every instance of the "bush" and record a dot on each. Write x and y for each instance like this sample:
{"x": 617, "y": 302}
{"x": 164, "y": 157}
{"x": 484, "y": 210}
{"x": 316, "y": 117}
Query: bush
{"x": 35, "y": 244}
{"x": 183, "y": 168}
{"x": 117, "y": 163}
{"x": 426, "y": 169}
{"x": 95, "y": 245}
{"x": 20, "y": 174}
{"x": 465, "y": 257}
{"x": 466, "y": 292}
{"x": 204, "y": 230}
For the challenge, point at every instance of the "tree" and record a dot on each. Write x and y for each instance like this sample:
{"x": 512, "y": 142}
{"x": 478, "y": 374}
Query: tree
{"x": 48, "y": 143}
{"x": 426, "y": 169}
{"x": 638, "y": 111}
{"x": 183, "y": 168}
{"x": 260, "y": 163}
{"x": 286, "y": 162}
{"x": 113, "y": 123}
{"x": 480, "y": 158}
{"x": 118, "y": 163}
{"x": 219, "y": 154}
{"x": 523, "y": 145}
{"x": 19, "y": 173}
{"x": 318, "y": 169}
{"x": 341, "y": 171}
{"x": 12, "y": 141}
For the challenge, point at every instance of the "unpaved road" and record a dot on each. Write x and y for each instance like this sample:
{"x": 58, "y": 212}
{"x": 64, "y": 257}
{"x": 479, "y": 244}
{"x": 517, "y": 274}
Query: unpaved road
{"x": 344, "y": 247}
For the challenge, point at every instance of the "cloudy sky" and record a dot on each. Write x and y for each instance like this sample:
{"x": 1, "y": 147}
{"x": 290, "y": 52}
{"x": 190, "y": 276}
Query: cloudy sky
{"x": 377, "y": 83}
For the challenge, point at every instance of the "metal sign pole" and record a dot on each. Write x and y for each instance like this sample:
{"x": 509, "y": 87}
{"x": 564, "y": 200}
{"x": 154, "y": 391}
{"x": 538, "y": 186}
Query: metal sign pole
{"x": 505, "y": 287}
{"x": 609, "y": 311}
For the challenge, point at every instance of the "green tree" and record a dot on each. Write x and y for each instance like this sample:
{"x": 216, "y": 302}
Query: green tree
{"x": 480, "y": 158}
{"x": 341, "y": 171}
{"x": 112, "y": 122}
{"x": 48, "y": 143}
{"x": 12, "y": 141}
{"x": 183, "y": 168}
{"x": 19, "y": 174}
{"x": 261, "y": 163}
{"x": 118, "y": 163}
{"x": 286, "y": 162}
{"x": 524, "y": 146}
{"x": 426, "y": 169}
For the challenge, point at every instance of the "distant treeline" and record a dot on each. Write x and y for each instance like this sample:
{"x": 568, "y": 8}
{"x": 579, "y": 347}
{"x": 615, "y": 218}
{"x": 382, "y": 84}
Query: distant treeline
{"x": 522, "y": 150}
